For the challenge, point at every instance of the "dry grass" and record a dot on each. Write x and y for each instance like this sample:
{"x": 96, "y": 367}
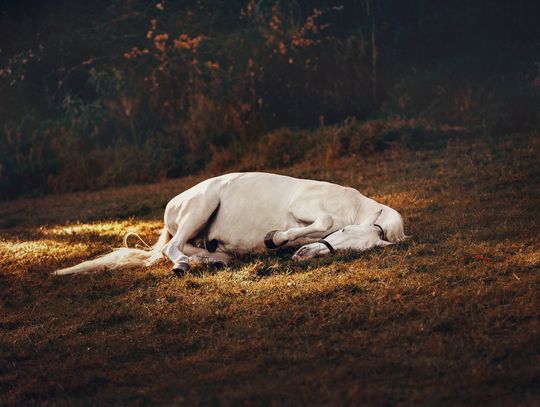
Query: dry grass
{"x": 451, "y": 317}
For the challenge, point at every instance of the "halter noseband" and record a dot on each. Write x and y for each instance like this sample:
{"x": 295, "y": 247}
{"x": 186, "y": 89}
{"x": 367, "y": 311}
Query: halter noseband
{"x": 331, "y": 248}
{"x": 324, "y": 242}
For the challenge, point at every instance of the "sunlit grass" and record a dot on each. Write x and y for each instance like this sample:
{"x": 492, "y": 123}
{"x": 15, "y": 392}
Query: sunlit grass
{"x": 54, "y": 245}
{"x": 110, "y": 228}
{"x": 32, "y": 250}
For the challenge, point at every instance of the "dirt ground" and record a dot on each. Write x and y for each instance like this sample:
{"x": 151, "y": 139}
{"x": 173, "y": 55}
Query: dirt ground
{"x": 449, "y": 317}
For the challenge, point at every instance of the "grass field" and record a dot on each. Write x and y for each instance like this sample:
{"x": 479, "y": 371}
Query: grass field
{"x": 450, "y": 317}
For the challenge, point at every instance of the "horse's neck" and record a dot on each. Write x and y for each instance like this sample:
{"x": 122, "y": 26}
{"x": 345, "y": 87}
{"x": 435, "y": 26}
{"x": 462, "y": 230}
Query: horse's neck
{"x": 362, "y": 208}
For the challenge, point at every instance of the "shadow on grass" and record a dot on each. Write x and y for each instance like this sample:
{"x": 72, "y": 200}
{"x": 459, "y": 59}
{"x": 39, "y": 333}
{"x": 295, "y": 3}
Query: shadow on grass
{"x": 280, "y": 262}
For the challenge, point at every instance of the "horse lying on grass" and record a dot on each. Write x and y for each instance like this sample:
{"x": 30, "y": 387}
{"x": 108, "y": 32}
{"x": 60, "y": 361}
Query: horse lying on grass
{"x": 242, "y": 213}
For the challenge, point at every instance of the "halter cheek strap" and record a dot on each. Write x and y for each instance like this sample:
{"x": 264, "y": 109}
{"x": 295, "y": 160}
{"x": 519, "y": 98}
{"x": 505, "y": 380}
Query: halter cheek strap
{"x": 332, "y": 250}
{"x": 328, "y": 245}
{"x": 383, "y": 236}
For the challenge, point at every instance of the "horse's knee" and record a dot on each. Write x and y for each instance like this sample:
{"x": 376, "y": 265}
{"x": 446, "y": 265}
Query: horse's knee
{"x": 274, "y": 239}
{"x": 326, "y": 222}
{"x": 208, "y": 259}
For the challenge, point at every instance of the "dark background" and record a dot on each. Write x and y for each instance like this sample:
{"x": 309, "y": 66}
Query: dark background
{"x": 94, "y": 94}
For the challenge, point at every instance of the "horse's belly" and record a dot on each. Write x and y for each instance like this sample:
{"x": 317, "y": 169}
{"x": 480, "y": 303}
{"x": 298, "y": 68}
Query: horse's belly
{"x": 248, "y": 210}
{"x": 242, "y": 231}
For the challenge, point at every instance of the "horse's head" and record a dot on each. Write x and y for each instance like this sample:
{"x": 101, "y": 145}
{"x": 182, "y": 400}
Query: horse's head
{"x": 356, "y": 237}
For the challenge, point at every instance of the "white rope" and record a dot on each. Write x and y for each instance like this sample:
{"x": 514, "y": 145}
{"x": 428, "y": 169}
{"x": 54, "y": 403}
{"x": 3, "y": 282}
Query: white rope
{"x": 137, "y": 246}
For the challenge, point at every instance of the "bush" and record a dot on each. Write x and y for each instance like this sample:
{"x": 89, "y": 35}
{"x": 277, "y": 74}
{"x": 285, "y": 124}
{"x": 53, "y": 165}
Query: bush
{"x": 127, "y": 92}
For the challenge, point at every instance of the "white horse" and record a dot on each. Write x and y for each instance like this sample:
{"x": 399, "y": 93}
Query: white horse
{"x": 251, "y": 212}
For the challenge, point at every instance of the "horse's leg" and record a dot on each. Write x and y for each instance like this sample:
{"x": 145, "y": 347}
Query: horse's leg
{"x": 322, "y": 223}
{"x": 192, "y": 216}
{"x": 201, "y": 255}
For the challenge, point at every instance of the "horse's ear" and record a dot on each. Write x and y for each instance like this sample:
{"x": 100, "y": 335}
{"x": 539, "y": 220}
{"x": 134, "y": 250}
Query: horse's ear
{"x": 372, "y": 218}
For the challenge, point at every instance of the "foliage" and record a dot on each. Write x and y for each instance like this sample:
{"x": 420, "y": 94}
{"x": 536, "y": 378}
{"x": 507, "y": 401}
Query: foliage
{"x": 135, "y": 91}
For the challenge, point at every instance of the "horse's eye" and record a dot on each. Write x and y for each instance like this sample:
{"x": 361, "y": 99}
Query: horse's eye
{"x": 343, "y": 230}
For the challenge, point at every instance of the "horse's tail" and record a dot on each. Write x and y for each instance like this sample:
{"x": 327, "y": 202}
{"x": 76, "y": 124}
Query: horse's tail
{"x": 121, "y": 258}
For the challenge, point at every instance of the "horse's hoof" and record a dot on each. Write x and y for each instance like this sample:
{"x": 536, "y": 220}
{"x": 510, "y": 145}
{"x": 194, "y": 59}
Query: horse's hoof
{"x": 269, "y": 240}
{"x": 219, "y": 264}
{"x": 181, "y": 269}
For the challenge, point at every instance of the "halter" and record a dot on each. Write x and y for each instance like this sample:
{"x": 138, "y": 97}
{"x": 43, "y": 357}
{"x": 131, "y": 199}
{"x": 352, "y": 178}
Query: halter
{"x": 331, "y": 248}
{"x": 383, "y": 236}
{"x": 324, "y": 242}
